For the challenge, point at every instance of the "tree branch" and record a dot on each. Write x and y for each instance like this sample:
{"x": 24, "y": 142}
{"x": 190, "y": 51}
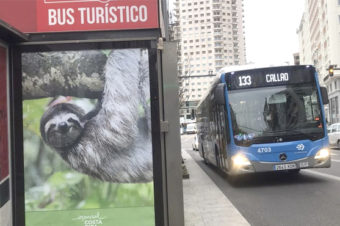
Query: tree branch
{"x": 71, "y": 73}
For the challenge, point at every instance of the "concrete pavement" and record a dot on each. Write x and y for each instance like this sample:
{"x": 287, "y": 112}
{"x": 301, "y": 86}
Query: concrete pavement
{"x": 204, "y": 202}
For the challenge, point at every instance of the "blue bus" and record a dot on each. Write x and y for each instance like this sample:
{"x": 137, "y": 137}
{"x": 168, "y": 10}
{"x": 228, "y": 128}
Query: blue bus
{"x": 264, "y": 119}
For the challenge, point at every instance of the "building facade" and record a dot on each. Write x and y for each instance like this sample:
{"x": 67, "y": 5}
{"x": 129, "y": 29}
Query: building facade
{"x": 192, "y": 90}
{"x": 319, "y": 44}
{"x": 210, "y": 36}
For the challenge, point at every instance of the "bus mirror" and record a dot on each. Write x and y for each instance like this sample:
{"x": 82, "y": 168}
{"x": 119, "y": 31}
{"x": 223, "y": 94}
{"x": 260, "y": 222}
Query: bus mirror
{"x": 324, "y": 95}
{"x": 219, "y": 94}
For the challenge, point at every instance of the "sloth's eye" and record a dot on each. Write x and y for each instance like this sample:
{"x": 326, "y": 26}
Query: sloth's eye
{"x": 74, "y": 122}
{"x": 52, "y": 126}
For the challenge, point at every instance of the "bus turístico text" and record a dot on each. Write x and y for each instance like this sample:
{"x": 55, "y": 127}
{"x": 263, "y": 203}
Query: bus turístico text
{"x": 265, "y": 119}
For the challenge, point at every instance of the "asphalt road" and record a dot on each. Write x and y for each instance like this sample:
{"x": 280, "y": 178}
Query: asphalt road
{"x": 309, "y": 198}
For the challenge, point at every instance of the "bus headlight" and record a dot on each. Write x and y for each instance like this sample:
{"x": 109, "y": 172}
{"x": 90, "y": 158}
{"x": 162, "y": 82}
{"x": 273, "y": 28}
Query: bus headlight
{"x": 239, "y": 160}
{"x": 322, "y": 154}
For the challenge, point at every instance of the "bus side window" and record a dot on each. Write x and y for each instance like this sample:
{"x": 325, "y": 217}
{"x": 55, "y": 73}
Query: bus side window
{"x": 226, "y": 124}
{"x": 222, "y": 122}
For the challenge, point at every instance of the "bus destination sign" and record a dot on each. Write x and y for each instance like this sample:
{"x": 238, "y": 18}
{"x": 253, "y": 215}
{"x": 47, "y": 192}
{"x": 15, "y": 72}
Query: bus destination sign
{"x": 269, "y": 77}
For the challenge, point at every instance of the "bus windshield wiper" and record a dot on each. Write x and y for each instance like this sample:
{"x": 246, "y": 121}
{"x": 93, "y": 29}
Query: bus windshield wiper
{"x": 279, "y": 131}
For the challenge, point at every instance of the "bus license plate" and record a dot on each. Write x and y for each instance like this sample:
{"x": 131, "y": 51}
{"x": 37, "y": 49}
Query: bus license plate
{"x": 285, "y": 166}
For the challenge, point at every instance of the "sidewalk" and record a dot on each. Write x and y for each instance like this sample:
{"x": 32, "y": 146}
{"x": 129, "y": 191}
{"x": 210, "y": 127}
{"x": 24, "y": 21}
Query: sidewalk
{"x": 204, "y": 202}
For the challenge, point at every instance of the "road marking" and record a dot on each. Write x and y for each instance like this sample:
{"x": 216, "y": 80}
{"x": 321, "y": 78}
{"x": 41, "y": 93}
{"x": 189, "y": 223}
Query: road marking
{"x": 322, "y": 174}
{"x": 335, "y": 160}
{"x": 334, "y": 154}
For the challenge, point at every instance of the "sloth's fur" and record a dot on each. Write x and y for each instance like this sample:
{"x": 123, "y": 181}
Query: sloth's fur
{"x": 115, "y": 144}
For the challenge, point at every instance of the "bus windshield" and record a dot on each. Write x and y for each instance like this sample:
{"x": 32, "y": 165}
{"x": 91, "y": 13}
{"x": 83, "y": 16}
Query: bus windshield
{"x": 275, "y": 114}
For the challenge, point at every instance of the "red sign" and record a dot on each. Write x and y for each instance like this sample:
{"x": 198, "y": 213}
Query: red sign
{"x": 85, "y": 15}
{"x": 3, "y": 115}
{"x": 79, "y": 15}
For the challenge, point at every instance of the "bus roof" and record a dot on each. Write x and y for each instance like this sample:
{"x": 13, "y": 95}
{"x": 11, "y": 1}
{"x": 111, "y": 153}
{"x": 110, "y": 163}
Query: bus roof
{"x": 235, "y": 68}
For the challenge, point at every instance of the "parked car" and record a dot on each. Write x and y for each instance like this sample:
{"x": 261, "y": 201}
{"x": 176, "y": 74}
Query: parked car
{"x": 195, "y": 143}
{"x": 334, "y": 135}
{"x": 191, "y": 128}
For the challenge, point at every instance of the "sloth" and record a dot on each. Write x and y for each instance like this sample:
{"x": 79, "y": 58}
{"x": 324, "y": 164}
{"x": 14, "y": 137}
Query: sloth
{"x": 113, "y": 141}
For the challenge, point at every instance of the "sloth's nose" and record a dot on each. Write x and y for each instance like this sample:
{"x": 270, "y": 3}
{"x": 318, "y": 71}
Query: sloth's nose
{"x": 62, "y": 127}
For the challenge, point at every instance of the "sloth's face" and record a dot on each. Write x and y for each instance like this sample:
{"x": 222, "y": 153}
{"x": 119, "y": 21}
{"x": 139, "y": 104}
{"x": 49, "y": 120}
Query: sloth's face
{"x": 63, "y": 130}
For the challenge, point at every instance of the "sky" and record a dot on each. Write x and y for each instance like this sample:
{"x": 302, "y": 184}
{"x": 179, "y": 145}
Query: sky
{"x": 270, "y": 30}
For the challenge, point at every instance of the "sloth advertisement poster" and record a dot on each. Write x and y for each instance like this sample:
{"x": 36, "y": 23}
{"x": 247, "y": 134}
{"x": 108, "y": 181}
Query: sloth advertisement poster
{"x": 87, "y": 138}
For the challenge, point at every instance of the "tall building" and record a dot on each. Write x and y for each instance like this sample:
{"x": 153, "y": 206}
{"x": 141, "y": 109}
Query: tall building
{"x": 319, "y": 44}
{"x": 210, "y": 36}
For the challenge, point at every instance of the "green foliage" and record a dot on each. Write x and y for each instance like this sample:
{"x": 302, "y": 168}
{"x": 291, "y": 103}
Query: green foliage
{"x": 107, "y": 52}
{"x": 32, "y": 112}
{"x": 50, "y": 184}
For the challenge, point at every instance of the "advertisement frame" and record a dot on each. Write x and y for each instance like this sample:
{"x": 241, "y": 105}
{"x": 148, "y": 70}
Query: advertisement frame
{"x": 6, "y": 201}
{"x": 17, "y": 134}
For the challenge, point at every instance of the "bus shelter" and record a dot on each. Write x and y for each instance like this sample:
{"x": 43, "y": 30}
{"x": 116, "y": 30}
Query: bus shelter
{"x": 85, "y": 124}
